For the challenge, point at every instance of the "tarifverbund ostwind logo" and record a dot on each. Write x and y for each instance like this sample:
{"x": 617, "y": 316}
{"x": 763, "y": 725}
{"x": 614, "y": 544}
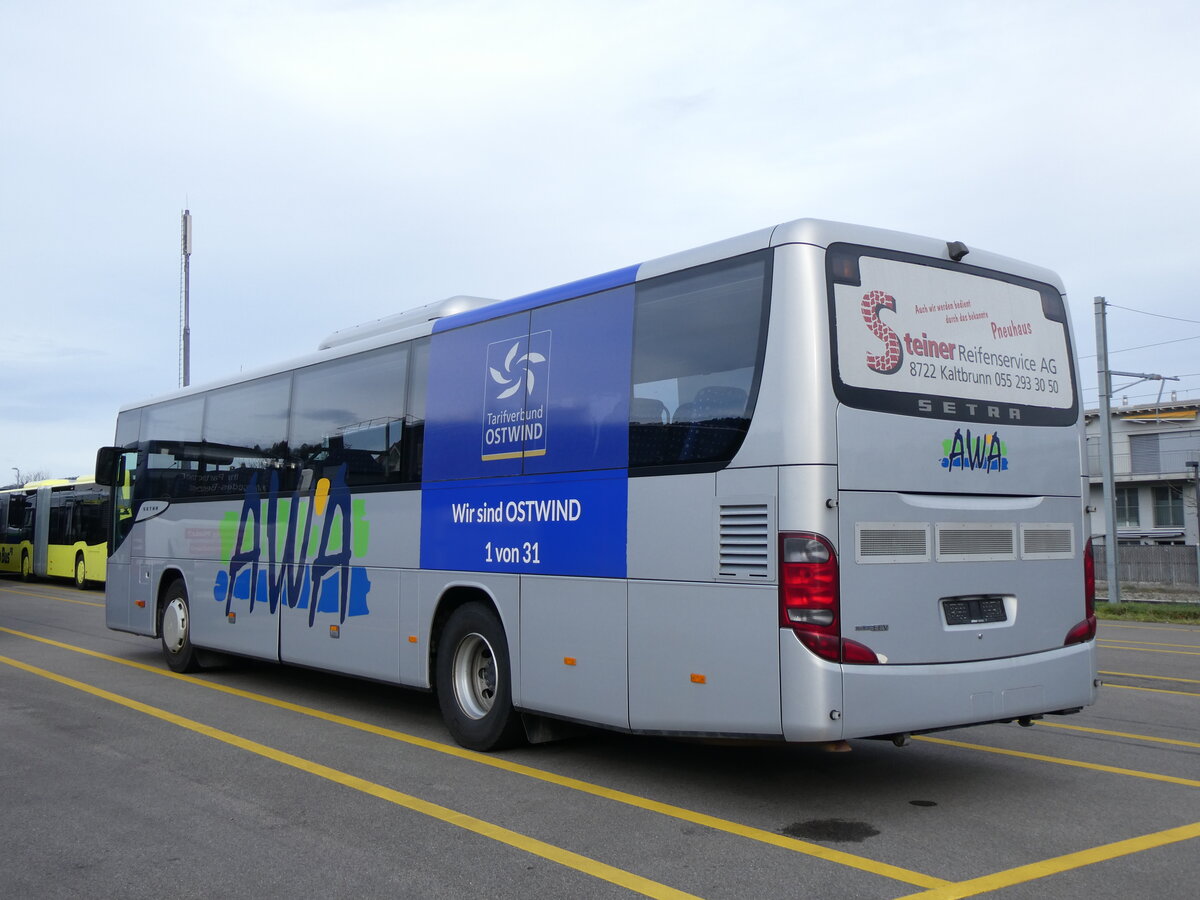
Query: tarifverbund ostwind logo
{"x": 516, "y": 387}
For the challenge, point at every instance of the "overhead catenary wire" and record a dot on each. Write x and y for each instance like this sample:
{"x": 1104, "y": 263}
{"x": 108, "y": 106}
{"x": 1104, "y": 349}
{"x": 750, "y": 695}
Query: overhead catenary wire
{"x": 1195, "y": 337}
{"x": 1155, "y": 315}
{"x": 1093, "y": 391}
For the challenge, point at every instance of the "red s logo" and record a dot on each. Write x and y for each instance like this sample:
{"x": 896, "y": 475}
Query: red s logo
{"x": 889, "y": 361}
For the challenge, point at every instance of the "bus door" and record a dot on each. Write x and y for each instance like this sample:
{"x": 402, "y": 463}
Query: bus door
{"x": 12, "y": 519}
{"x": 41, "y": 531}
{"x": 119, "y": 613}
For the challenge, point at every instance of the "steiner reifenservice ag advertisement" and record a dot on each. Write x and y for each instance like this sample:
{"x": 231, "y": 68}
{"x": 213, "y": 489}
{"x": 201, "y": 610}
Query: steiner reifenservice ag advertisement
{"x": 925, "y": 330}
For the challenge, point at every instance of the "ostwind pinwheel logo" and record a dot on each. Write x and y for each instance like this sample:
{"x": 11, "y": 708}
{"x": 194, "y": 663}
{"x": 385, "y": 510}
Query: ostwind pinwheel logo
{"x": 516, "y": 370}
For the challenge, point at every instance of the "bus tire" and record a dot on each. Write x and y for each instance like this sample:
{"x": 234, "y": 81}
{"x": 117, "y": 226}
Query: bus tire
{"x": 175, "y": 626}
{"x": 26, "y": 567}
{"x": 474, "y": 681}
{"x": 80, "y": 572}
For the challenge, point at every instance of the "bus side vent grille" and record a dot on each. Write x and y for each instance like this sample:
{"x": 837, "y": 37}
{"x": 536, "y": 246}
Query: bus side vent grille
{"x": 971, "y": 542}
{"x": 1047, "y": 541}
{"x": 744, "y": 541}
{"x": 892, "y": 542}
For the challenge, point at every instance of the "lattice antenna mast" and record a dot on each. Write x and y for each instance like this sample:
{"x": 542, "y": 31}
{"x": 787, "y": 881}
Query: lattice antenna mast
{"x": 185, "y": 329}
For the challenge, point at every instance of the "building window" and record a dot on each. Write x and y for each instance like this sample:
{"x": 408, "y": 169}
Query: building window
{"x": 1127, "y": 507}
{"x": 1168, "y": 507}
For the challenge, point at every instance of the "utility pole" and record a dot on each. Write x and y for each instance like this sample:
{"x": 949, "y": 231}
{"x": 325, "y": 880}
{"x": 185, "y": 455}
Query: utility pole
{"x": 1106, "y": 453}
{"x": 1194, "y": 465}
{"x": 185, "y": 329}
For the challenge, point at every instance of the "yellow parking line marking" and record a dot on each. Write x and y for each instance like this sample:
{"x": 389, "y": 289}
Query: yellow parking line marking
{"x": 1150, "y": 643}
{"x": 1130, "y": 687}
{"x": 23, "y": 586}
{"x": 940, "y": 888}
{"x": 1112, "y": 623}
{"x": 1059, "y": 864}
{"x": 584, "y": 864}
{"x": 1079, "y": 764}
{"x": 8, "y": 590}
{"x": 1154, "y": 677}
{"x": 1108, "y": 646}
{"x": 760, "y": 835}
{"x": 1121, "y": 734}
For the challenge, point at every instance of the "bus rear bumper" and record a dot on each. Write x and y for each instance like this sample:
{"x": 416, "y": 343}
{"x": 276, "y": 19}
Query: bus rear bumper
{"x": 885, "y": 700}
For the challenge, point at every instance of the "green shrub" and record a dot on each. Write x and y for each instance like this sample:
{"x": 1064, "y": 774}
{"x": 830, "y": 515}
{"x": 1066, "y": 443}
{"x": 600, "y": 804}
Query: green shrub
{"x": 1178, "y": 613}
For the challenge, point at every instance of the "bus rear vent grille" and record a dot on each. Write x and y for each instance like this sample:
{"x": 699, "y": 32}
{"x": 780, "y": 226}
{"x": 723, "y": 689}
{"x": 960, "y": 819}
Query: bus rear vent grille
{"x": 745, "y": 540}
{"x": 1047, "y": 541}
{"x": 974, "y": 542}
{"x": 887, "y": 542}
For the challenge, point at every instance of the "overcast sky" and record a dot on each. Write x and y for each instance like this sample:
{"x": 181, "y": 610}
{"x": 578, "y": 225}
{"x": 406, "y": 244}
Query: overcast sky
{"x": 347, "y": 160}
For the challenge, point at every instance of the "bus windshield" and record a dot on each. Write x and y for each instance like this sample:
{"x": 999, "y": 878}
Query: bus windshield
{"x": 942, "y": 339}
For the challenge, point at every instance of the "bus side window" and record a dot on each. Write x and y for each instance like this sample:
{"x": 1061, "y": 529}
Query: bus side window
{"x": 165, "y": 429}
{"x": 698, "y": 345}
{"x": 412, "y": 450}
{"x": 350, "y": 413}
{"x": 245, "y": 435}
{"x": 60, "y": 512}
{"x": 16, "y": 517}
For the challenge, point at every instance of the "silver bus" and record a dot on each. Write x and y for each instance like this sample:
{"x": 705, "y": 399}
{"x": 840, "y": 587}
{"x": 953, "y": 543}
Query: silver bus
{"x": 813, "y": 483}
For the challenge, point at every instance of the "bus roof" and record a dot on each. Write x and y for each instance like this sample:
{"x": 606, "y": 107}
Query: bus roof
{"x": 460, "y": 310}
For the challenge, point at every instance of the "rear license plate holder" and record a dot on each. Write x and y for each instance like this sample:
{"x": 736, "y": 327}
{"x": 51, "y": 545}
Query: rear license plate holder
{"x": 982, "y": 610}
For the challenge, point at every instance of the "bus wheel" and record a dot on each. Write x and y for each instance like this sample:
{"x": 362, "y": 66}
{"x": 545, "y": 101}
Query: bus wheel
{"x": 80, "y": 573}
{"x": 175, "y": 628}
{"x": 26, "y": 567}
{"x": 474, "y": 683}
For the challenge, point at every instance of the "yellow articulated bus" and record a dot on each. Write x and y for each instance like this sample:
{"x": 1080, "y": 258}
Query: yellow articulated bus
{"x": 55, "y": 528}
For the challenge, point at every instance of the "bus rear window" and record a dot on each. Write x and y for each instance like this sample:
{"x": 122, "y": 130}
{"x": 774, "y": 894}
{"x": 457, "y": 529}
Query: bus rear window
{"x": 929, "y": 337}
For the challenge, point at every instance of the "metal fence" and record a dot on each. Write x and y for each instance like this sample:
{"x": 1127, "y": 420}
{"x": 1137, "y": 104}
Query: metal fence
{"x": 1158, "y": 564}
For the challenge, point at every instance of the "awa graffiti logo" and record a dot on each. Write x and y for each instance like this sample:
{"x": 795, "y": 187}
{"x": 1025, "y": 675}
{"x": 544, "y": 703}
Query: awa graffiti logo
{"x": 984, "y": 452}
{"x": 517, "y": 383}
{"x": 267, "y": 546}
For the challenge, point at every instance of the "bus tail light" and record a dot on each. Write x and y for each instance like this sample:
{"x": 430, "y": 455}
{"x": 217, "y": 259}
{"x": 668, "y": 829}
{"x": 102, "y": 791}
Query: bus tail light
{"x": 1086, "y": 630}
{"x": 809, "y": 599}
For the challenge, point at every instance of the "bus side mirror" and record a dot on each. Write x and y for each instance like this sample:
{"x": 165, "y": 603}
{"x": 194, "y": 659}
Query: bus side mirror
{"x": 106, "y": 465}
